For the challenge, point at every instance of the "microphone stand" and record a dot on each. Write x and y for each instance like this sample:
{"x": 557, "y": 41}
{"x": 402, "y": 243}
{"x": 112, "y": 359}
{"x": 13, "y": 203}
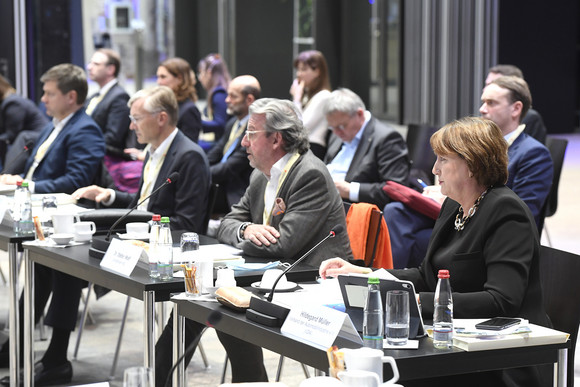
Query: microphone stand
{"x": 265, "y": 311}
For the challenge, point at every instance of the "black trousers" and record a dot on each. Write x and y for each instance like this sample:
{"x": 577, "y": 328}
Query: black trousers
{"x": 246, "y": 359}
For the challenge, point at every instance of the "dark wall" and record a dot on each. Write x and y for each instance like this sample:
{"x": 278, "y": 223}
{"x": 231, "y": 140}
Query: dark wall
{"x": 542, "y": 39}
{"x": 7, "y": 41}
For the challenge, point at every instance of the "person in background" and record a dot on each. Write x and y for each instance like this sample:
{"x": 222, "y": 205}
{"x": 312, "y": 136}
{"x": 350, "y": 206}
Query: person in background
{"x": 176, "y": 74}
{"x": 363, "y": 153}
{"x": 228, "y": 160}
{"x": 67, "y": 156}
{"x": 535, "y": 126}
{"x": 309, "y": 91}
{"x": 214, "y": 76}
{"x": 20, "y": 124}
{"x": 108, "y": 107}
{"x": 485, "y": 236}
{"x": 290, "y": 205}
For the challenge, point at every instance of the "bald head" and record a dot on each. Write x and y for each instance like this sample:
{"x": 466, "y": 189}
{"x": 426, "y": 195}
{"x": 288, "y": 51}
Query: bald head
{"x": 242, "y": 92}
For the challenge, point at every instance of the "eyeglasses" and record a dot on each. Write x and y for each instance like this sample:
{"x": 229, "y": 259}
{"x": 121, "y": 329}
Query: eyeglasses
{"x": 337, "y": 127}
{"x": 250, "y": 133}
{"x": 135, "y": 119}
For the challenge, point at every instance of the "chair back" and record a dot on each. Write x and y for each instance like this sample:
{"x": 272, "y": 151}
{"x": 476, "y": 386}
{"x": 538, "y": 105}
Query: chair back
{"x": 211, "y": 197}
{"x": 559, "y": 271}
{"x": 370, "y": 235}
{"x": 557, "y": 148}
{"x": 421, "y": 154}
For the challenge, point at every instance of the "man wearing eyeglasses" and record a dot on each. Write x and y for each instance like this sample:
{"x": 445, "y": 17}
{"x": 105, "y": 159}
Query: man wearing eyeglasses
{"x": 290, "y": 205}
{"x": 362, "y": 152}
{"x": 154, "y": 119}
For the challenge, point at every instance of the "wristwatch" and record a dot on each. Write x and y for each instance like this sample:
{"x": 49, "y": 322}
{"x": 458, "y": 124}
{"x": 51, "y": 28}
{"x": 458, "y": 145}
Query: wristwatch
{"x": 243, "y": 228}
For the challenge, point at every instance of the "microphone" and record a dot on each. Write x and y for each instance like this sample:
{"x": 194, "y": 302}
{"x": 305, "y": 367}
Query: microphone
{"x": 336, "y": 230}
{"x": 25, "y": 149}
{"x": 174, "y": 177}
{"x": 265, "y": 311}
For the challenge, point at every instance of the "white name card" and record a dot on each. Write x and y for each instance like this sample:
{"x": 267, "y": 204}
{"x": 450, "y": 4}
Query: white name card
{"x": 318, "y": 325}
{"x": 121, "y": 257}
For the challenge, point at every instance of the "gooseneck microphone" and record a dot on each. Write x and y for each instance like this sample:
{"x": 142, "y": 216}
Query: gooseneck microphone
{"x": 336, "y": 230}
{"x": 172, "y": 178}
{"x": 265, "y": 311}
{"x": 24, "y": 150}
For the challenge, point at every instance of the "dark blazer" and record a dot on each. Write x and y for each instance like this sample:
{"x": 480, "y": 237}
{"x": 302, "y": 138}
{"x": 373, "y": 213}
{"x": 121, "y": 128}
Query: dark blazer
{"x": 313, "y": 208}
{"x": 219, "y": 113}
{"x": 530, "y": 172}
{"x": 233, "y": 176}
{"x": 72, "y": 160}
{"x": 184, "y": 201}
{"x": 380, "y": 156}
{"x": 112, "y": 116}
{"x": 17, "y": 114}
{"x": 189, "y": 119}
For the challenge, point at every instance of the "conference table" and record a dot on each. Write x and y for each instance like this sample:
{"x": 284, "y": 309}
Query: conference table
{"x": 12, "y": 243}
{"x": 77, "y": 262}
{"x": 424, "y": 362}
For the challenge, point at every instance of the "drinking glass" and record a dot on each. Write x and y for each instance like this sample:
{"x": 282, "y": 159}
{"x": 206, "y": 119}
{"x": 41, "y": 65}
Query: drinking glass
{"x": 397, "y": 317}
{"x": 138, "y": 377}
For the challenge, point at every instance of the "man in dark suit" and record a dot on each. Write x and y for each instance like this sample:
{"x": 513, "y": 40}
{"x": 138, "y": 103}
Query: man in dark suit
{"x": 154, "y": 119}
{"x": 66, "y": 157}
{"x": 108, "y": 106}
{"x": 228, "y": 160}
{"x": 363, "y": 153}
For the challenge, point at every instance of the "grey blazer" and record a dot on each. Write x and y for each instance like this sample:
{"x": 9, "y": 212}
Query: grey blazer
{"x": 313, "y": 208}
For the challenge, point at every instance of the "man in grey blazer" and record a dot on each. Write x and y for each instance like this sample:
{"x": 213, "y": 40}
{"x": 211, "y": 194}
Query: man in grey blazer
{"x": 290, "y": 205}
{"x": 363, "y": 153}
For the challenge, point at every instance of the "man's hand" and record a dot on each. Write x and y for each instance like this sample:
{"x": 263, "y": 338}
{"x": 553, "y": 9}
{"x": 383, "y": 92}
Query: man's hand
{"x": 92, "y": 192}
{"x": 343, "y": 188}
{"x": 260, "y": 235}
{"x": 10, "y": 179}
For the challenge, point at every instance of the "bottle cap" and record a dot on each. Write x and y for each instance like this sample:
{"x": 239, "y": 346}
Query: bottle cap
{"x": 156, "y": 218}
{"x": 373, "y": 280}
{"x": 165, "y": 219}
{"x": 25, "y": 184}
{"x": 443, "y": 273}
{"x": 19, "y": 184}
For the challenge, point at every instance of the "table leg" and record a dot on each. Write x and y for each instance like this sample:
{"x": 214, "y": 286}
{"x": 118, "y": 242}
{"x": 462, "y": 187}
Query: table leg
{"x": 562, "y": 375}
{"x": 149, "y": 329}
{"x": 178, "y": 347}
{"x": 14, "y": 335}
{"x": 28, "y": 321}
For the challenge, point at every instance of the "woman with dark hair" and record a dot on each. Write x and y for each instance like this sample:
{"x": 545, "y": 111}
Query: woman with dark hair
{"x": 214, "y": 77}
{"x": 309, "y": 91}
{"x": 485, "y": 236}
{"x": 178, "y": 76}
{"x": 19, "y": 117}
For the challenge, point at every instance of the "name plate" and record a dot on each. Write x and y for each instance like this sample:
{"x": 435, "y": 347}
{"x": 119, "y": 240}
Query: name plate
{"x": 121, "y": 257}
{"x": 318, "y": 326}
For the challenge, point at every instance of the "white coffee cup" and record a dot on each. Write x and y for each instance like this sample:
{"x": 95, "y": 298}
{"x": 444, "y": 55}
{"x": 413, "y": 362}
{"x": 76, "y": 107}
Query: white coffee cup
{"x": 225, "y": 277}
{"x": 64, "y": 223}
{"x": 137, "y": 228}
{"x": 270, "y": 276}
{"x": 368, "y": 359}
{"x": 84, "y": 231}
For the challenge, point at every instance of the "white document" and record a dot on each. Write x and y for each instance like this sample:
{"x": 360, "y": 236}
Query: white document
{"x": 218, "y": 252}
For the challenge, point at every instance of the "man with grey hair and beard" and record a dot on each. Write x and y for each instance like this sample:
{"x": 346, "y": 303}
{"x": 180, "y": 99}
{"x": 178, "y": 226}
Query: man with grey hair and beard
{"x": 290, "y": 205}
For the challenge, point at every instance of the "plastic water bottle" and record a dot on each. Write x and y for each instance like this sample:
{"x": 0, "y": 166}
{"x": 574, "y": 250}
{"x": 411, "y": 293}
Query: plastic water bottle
{"x": 153, "y": 241}
{"x": 165, "y": 250}
{"x": 443, "y": 312}
{"x": 373, "y": 325}
{"x": 26, "y": 222}
{"x": 16, "y": 205}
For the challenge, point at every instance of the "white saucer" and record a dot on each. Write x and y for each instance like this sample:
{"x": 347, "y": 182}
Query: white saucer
{"x": 287, "y": 287}
{"x": 134, "y": 236}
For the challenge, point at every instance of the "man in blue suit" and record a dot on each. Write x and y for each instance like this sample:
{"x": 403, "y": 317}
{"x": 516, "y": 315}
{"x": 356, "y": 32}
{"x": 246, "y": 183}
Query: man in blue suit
{"x": 505, "y": 101}
{"x": 69, "y": 150}
{"x": 67, "y": 156}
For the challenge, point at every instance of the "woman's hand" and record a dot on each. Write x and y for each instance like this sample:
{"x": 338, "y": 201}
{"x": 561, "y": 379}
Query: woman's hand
{"x": 297, "y": 91}
{"x": 334, "y": 266}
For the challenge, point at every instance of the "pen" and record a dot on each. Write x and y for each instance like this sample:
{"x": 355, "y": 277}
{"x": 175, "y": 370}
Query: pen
{"x": 422, "y": 183}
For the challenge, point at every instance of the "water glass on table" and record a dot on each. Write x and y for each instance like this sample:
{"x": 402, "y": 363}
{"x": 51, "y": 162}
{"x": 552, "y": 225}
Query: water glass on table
{"x": 189, "y": 246}
{"x": 397, "y": 317}
{"x": 138, "y": 377}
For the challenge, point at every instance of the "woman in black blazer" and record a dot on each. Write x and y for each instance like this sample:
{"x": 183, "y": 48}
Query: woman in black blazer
{"x": 485, "y": 236}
